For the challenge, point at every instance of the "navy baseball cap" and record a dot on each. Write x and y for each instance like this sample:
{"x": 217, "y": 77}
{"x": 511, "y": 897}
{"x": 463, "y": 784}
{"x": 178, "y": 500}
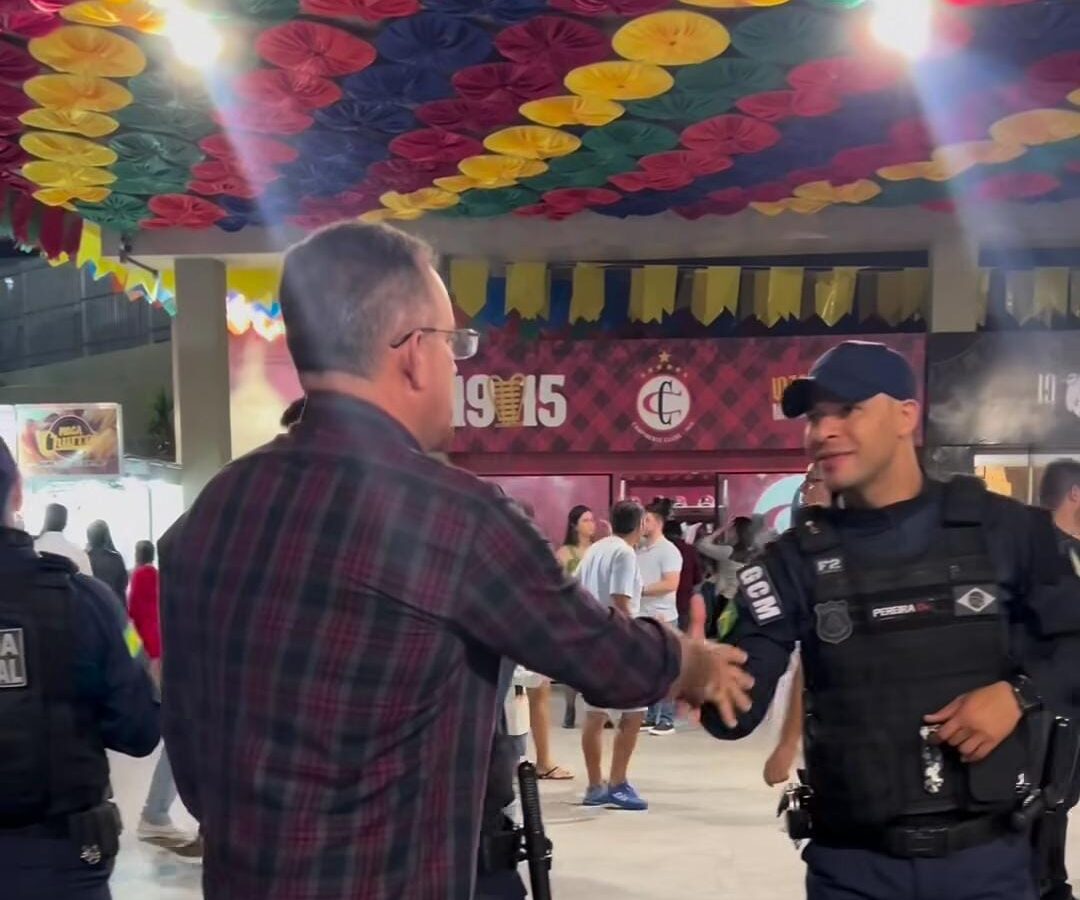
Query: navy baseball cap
{"x": 851, "y": 372}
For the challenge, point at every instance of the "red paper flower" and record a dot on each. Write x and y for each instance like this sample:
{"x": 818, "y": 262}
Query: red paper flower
{"x": 729, "y": 201}
{"x": 182, "y": 211}
{"x": 506, "y": 83}
{"x": 805, "y": 176}
{"x": 1017, "y": 186}
{"x": 468, "y": 115}
{"x": 573, "y": 200}
{"x": 694, "y": 164}
{"x": 28, "y": 23}
{"x": 776, "y": 106}
{"x": 250, "y": 149}
{"x": 16, "y": 65}
{"x": 11, "y": 155}
{"x": 863, "y": 162}
{"x": 216, "y": 170}
{"x": 1050, "y": 80}
{"x": 435, "y": 145}
{"x": 10, "y": 125}
{"x": 843, "y": 75}
{"x": 371, "y": 10}
{"x": 232, "y": 187}
{"x": 564, "y": 44}
{"x": 941, "y": 206}
{"x": 622, "y": 8}
{"x": 540, "y": 211}
{"x": 312, "y": 48}
{"x": 771, "y": 192}
{"x": 912, "y": 134}
{"x": 729, "y": 135}
{"x": 264, "y": 119}
{"x": 404, "y": 175}
{"x": 657, "y": 180}
{"x": 286, "y": 87}
{"x": 13, "y": 102}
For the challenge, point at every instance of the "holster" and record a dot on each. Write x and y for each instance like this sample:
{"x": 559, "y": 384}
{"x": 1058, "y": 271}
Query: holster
{"x": 96, "y": 833}
{"x": 500, "y": 849}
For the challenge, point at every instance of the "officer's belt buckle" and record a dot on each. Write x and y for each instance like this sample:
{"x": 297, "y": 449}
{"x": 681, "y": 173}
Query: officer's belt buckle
{"x": 923, "y": 842}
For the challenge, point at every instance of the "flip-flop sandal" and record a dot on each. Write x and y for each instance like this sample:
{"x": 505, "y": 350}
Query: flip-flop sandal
{"x": 556, "y": 773}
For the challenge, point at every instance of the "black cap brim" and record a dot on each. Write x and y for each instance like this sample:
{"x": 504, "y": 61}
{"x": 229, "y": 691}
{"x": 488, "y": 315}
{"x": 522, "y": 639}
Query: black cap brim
{"x": 801, "y": 395}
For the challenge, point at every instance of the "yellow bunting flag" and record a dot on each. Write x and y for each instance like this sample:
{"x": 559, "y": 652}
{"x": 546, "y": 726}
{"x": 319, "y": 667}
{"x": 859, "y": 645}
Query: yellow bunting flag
{"x": 760, "y": 295}
{"x": 587, "y": 298}
{"x": 916, "y": 294}
{"x": 469, "y": 283}
{"x": 890, "y": 296}
{"x": 527, "y": 291}
{"x": 784, "y": 297}
{"x": 834, "y": 294}
{"x": 982, "y": 300}
{"x": 89, "y": 245}
{"x": 715, "y": 291}
{"x": 258, "y": 285}
{"x": 1051, "y": 293}
{"x": 658, "y": 285}
{"x": 1020, "y": 294}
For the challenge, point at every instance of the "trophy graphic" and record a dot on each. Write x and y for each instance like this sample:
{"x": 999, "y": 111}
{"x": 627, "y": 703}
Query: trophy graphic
{"x": 508, "y": 395}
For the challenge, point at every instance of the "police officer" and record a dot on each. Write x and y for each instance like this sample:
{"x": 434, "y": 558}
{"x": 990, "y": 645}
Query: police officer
{"x": 73, "y": 683}
{"x": 935, "y": 620}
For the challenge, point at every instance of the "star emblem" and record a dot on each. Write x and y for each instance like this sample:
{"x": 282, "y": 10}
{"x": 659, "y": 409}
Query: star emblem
{"x": 665, "y": 357}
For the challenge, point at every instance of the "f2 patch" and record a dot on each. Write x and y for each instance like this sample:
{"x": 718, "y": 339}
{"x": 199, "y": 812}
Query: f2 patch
{"x": 760, "y": 595}
{"x": 12, "y": 658}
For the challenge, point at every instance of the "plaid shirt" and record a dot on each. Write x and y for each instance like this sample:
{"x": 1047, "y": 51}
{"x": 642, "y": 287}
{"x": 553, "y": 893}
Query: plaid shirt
{"x": 334, "y": 610}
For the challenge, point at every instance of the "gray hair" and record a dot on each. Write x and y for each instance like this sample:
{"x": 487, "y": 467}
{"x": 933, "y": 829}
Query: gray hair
{"x": 346, "y": 291}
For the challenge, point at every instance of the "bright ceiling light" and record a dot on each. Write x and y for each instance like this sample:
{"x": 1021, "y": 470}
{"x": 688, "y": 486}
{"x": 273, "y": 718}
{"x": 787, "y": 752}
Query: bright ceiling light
{"x": 195, "y": 40}
{"x": 903, "y": 25}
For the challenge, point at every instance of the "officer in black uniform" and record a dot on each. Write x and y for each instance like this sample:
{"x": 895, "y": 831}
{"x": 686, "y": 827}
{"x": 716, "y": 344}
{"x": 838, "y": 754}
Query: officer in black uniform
{"x": 935, "y": 620}
{"x": 73, "y": 683}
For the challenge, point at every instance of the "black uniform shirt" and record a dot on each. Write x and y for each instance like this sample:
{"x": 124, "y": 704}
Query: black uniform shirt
{"x": 1046, "y": 616}
{"x": 110, "y": 669}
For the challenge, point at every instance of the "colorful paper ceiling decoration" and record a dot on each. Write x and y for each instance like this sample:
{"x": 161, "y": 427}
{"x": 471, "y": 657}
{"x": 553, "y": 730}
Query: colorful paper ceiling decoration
{"x": 322, "y": 109}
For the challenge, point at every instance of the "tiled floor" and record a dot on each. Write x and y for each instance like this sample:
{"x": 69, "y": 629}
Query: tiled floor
{"x": 709, "y": 833}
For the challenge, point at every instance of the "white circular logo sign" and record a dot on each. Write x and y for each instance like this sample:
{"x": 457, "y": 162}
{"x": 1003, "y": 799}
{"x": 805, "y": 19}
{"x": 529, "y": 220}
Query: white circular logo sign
{"x": 663, "y": 403}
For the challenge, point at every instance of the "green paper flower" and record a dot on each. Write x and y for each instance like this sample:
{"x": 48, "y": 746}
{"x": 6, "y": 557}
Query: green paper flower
{"x": 175, "y": 120}
{"x": 590, "y": 161}
{"x": 730, "y": 78}
{"x": 583, "y": 178}
{"x": 172, "y": 88}
{"x": 153, "y": 152}
{"x": 630, "y": 138}
{"x": 680, "y": 106}
{"x": 497, "y": 202}
{"x": 788, "y": 36}
{"x": 119, "y": 212}
{"x": 275, "y": 10}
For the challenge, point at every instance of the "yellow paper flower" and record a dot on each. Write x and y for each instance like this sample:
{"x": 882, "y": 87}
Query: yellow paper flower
{"x": 733, "y": 4}
{"x": 960, "y": 157}
{"x": 376, "y": 215}
{"x": 930, "y": 171}
{"x": 799, "y": 205}
{"x": 495, "y": 171}
{"x": 65, "y": 196}
{"x": 458, "y": 184}
{"x": 823, "y": 192}
{"x": 77, "y": 93}
{"x": 619, "y": 81}
{"x": 1036, "y": 127}
{"x": 59, "y": 175}
{"x": 66, "y": 148}
{"x": 137, "y": 15}
{"x": 572, "y": 110}
{"x": 532, "y": 142}
{"x": 423, "y": 199}
{"x": 1074, "y": 97}
{"x": 82, "y": 50}
{"x": 671, "y": 38}
{"x": 73, "y": 121}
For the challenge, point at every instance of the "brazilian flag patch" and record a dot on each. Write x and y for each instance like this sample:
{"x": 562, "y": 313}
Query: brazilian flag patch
{"x": 133, "y": 641}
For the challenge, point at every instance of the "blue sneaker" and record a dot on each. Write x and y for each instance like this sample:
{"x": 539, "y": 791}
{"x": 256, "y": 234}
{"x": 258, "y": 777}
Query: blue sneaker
{"x": 623, "y": 796}
{"x": 597, "y": 795}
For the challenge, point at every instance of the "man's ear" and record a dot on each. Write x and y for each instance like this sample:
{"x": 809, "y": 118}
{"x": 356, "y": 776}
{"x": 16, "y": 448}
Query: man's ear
{"x": 910, "y": 416}
{"x": 409, "y": 359}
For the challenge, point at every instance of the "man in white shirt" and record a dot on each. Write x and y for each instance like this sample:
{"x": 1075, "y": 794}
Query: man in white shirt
{"x": 609, "y": 571}
{"x": 661, "y": 565}
{"x": 52, "y": 540}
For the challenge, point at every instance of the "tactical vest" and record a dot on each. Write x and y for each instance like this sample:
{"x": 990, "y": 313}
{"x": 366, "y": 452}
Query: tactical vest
{"x": 52, "y": 759}
{"x": 895, "y": 643}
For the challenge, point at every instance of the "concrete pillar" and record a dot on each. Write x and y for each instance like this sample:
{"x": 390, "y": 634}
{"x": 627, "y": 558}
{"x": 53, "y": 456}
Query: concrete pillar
{"x": 200, "y": 352}
{"x": 954, "y": 283}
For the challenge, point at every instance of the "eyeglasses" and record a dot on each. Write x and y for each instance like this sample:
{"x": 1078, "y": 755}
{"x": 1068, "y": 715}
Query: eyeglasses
{"x": 464, "y": 342}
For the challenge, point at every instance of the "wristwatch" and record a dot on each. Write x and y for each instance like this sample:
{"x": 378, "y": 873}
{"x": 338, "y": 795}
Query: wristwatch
{"x": 1026, "y": 695}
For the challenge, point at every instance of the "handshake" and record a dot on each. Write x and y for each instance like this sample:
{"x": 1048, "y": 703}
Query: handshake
{"x": 714, "y": 673}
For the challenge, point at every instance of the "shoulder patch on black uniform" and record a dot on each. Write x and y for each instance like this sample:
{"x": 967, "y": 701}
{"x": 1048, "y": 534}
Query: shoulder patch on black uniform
{"x": 760, "y": 594}
{"x": 12, "y": 658}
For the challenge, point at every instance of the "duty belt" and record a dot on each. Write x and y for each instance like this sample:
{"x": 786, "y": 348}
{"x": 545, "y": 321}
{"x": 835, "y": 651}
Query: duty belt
{"x": 923, "y": 841}
{"x": 499, "y": 851}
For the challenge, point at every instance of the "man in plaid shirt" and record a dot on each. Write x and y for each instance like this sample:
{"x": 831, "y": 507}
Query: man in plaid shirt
{"x": 335, "y": 606}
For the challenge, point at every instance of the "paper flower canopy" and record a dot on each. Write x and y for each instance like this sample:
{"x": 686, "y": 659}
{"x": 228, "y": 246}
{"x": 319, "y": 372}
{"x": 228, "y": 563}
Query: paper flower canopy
{"x": 401, "y": 109}
{"x": 82, "y": 50}
{"x": 619, "y": 81}
{"x": 671, "y": 38}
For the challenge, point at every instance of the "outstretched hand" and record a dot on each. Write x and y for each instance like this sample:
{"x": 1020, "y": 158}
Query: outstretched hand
{"x": 977, "y": 722}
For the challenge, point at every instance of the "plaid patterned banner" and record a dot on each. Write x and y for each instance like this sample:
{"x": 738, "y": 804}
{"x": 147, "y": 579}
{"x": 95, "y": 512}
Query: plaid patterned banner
{"x": 625, "y": 396}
